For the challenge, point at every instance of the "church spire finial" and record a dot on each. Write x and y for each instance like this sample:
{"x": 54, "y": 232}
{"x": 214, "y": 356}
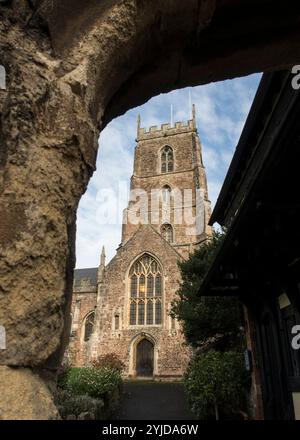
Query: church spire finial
{"x": 138, "y": 123}
{"x": 102, "y": 258}
{"x": 194, "y": 113}
{"x": 101, "y": 268}
{"x": 193, "y": 116}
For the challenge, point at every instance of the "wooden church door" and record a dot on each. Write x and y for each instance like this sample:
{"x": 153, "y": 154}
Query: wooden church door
{"x": 144, "y": 358}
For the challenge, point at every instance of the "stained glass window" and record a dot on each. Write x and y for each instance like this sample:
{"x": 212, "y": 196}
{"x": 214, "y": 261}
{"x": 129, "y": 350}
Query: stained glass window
{"x": 132, "y": 319}
{"x": 158, "y": 311}
{"x": 145, "y": 292}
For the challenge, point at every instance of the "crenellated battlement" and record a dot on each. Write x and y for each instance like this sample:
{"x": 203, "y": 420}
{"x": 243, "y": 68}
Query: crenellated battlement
{"x": 166, "y": 129}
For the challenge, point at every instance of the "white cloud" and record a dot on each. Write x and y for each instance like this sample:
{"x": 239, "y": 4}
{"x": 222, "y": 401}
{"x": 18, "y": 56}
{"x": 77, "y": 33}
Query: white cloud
{"x": 221, "y": 112}
{"x": 214, "y": 187}
{"x": 211, "y": 159}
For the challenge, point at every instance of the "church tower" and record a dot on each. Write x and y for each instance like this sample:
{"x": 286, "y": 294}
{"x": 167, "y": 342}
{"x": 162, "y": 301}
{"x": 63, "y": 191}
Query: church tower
{"x": 123, "y": 307}
{"x": 168, "y": 186}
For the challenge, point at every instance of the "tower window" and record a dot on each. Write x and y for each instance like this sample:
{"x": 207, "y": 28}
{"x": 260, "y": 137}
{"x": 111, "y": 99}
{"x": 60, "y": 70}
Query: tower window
{"x": 89, "y": 326}
{"x": 117, "y": 321}
{"x": 145, "y": 292}
{"x": 167, "y": 232}
{"x": 167, "y": 160}
{"x": 166, "y": 194}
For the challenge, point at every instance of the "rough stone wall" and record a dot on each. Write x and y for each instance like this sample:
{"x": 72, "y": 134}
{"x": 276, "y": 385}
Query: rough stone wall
{"x": 23, "y": 389}
{"x": 78, "y": 350}
{"x": 43, "y": 173}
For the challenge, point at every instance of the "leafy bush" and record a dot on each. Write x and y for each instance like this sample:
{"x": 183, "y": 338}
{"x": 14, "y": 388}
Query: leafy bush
{"x": 69, "y": 404}
{"x": 109, "y": 360}
{"x": 217, "y": 382}
{"x": 95, "y": 382}
{"x": 62, "y": 374}
{"x": 204, "y": 317}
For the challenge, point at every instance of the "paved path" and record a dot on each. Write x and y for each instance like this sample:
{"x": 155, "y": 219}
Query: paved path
{"x": 153, "y": 401}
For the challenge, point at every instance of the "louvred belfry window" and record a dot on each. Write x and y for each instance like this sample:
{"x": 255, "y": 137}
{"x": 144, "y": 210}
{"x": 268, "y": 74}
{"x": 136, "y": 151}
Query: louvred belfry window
{"x": 145, "y": 292}
{"x": 167, "y": 232}
{"x": 167, "y": 160}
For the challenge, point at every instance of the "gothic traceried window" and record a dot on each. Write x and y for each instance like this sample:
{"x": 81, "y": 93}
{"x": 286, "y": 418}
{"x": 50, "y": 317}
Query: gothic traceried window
{"x": 167, "y": 232}
{"x": 167, "y": 160}
{"x": 132, "y": 319}
{"x": 145, "y": 292}
{"x": 89, "y": 326}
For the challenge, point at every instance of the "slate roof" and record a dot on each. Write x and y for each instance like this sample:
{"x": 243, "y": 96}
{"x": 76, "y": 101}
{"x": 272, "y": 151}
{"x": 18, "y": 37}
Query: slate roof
{"x": 90, "y": 273}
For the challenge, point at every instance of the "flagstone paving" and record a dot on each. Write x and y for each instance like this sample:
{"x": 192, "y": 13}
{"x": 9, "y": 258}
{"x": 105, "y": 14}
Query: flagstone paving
{"x": 143, "y": 400}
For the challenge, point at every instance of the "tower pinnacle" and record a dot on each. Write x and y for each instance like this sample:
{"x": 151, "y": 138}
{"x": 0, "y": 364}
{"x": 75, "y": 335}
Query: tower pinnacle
{"x": 102, "y": 258}
{"x": 194, "y": 113}
{"x": 101, "y": 268}
{"x": 138, "y": 123}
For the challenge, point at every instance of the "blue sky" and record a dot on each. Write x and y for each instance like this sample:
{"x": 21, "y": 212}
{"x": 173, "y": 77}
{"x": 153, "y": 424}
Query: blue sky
{"x": 221, "y": 111}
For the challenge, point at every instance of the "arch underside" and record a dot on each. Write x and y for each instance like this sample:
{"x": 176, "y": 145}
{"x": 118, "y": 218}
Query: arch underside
{"x": 157, "y": 47}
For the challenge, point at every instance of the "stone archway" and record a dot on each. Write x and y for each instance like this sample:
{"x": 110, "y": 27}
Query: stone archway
{"x": 143, "y": 356}
{"x": 63, "y": 87}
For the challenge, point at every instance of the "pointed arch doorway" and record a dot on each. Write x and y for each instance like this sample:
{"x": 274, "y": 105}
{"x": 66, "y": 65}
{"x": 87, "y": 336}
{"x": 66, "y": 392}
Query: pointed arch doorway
{"x": 145, "y": 358}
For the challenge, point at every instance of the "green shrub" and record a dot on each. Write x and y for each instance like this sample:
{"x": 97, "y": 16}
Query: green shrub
{"x": 95, "y": 382}
{"x": 217, "y": 384}
{"x": 69, "y": 404}
{"x": 109, "y": 360}
{"x": 62, "y": 374}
